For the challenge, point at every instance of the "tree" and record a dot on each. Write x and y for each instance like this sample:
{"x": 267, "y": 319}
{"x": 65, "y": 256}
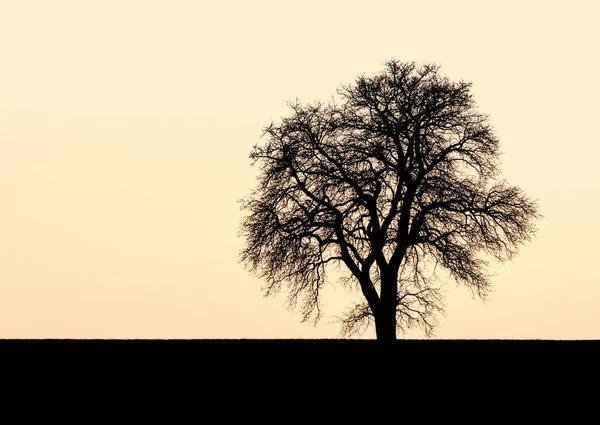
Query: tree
{"x": 396, "y": 181}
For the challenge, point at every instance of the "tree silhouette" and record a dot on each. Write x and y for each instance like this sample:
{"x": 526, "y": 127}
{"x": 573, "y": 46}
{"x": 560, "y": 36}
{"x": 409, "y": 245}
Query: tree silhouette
{"x": 395, "y": 181}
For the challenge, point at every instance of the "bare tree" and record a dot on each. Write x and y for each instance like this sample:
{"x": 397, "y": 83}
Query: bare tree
{"x": 394, "y": 181}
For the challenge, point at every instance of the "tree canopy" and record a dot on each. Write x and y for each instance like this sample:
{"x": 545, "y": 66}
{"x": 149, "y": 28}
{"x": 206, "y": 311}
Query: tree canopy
{"x": 394, "y": 179}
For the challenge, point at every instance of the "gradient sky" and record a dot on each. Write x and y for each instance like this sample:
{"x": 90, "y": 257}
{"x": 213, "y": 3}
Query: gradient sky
{"x": 125, "y": 128}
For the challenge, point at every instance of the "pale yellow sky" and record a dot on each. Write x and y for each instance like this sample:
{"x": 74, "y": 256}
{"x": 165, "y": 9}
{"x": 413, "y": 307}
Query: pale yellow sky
{"x": 125, "y": 128}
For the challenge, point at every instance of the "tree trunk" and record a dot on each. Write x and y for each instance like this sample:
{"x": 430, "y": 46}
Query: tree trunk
{"x": 385, "y": 324}
{"x": 385, "y": 317}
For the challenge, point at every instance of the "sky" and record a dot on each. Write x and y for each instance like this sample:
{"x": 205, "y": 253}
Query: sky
{"x": 125, "y": 129}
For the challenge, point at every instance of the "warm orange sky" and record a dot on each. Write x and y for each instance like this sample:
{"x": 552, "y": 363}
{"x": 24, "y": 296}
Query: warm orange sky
{"x": 125, "y": 128}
